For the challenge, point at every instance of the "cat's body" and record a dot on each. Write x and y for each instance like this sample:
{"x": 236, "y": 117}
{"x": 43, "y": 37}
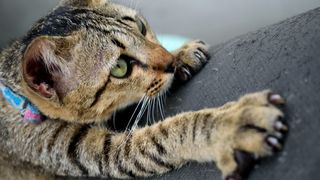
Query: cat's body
{"x": 89, "y": 58}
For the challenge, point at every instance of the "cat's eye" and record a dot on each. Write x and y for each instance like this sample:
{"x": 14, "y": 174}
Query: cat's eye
{"x": 142, "y": 27}
{"x": 121, "y": 69}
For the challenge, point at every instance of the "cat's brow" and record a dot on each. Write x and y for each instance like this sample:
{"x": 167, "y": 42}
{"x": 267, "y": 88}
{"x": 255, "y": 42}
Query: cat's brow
{"x": 118, "y": 43}
{"x": 123, "y": 23}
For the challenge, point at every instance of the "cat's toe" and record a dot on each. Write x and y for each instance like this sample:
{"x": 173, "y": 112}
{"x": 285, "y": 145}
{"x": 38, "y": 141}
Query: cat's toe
{"x": 202, "y": 55}
{"x": 262, "y": 98}
{"x": 276, "y": 139}
{"x": 183, "y": 73}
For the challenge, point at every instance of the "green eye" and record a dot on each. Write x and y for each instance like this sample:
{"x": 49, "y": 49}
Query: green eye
{"x": 121, "y": 69}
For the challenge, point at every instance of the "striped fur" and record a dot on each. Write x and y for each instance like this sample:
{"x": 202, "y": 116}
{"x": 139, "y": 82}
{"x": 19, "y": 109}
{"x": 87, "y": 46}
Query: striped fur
{"x": 79, "y": 42}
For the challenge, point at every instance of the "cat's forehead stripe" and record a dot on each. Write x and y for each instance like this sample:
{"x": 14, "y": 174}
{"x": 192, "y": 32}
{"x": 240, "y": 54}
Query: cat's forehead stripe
{"x": 65, "y": 20}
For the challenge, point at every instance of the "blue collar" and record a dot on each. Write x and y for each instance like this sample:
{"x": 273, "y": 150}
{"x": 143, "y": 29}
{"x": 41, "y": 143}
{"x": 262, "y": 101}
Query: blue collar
{"x": 29, "y": 112}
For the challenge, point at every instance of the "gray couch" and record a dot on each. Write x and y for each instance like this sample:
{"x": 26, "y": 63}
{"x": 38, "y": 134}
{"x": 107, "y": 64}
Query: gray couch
{"x": 284, "y": 57}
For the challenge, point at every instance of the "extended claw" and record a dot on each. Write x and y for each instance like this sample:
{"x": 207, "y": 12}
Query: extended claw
{"x": 280, "y": 126}
{"x": 274, "y": 143}
{"x": 276, "y": 99}
{"x": 202, "y": 56}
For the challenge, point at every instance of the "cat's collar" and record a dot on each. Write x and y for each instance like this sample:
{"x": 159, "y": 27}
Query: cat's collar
{"x": 29, "y": 112}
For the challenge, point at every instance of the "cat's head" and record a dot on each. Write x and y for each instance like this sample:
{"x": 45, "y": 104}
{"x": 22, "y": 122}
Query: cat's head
{"x": 90, "y": 57}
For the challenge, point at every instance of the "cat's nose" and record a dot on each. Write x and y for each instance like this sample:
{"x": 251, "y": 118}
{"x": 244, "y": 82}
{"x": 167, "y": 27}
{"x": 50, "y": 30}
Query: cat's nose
{"x": 162, "y": 60}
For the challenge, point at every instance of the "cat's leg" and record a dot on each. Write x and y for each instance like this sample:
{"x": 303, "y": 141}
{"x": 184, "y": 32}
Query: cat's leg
{"x": 227, "y": 135}
{"x": 190, "y": 59}
{"x": 233, "y": 136}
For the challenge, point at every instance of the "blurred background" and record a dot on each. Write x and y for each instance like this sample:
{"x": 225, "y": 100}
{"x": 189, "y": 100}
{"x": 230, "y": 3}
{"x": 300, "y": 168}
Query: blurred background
{"x": 214, "y": 21}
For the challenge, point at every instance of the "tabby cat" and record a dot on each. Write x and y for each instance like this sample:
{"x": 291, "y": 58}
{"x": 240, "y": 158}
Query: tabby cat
{"x": 89, "y": 58}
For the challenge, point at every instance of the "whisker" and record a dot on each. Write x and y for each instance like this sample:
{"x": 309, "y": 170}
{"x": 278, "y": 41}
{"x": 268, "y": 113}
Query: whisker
{"x": 163, "y": 102}
{"x": 140, "y": 114}
{"x": 153, "y": 110}
{"x": 149, "y": 111}
{"x": 144, "y": 102}
{"x": 160, "y": 107}
{"x": 142, "y": 110}
{"x": 114, "y": 119}
{"x": 165, "y": 97}
{"x": 156, "y": 105}
{"x": 134, "y": 112}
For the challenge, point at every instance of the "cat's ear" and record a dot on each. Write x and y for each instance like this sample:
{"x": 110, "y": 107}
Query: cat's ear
{"x": 85, "y": 3}
{"x": 44, "y": 65}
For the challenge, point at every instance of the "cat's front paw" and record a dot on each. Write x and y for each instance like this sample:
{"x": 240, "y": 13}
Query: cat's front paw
{"x": 255, "y": 129}
{"x": 190, "y": 59}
